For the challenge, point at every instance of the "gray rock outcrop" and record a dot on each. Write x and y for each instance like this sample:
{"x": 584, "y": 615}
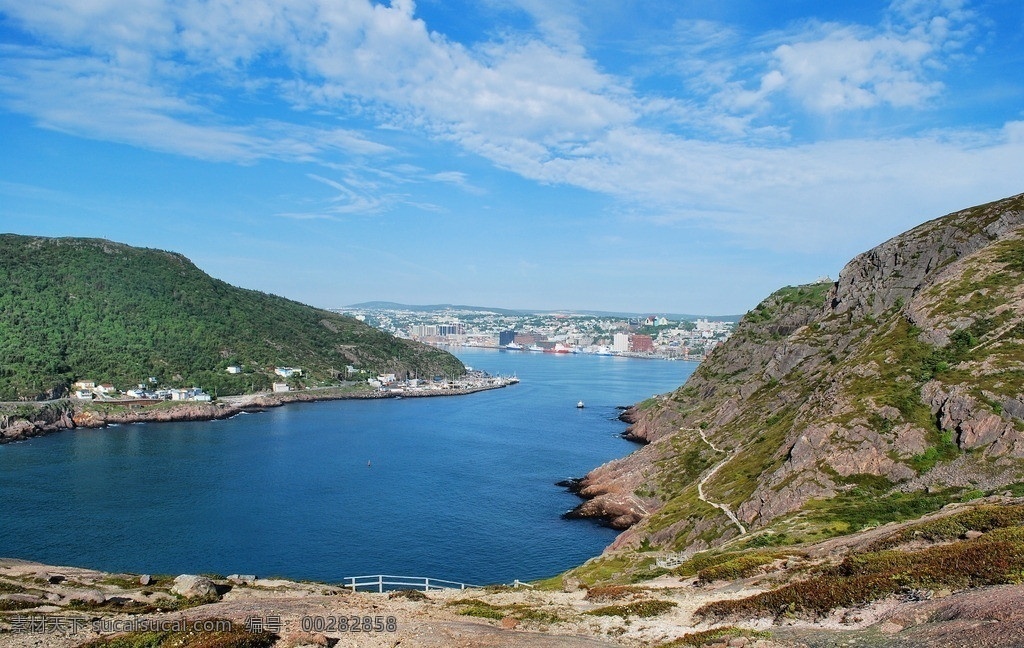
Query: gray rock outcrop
{"x": 192, "y": 586}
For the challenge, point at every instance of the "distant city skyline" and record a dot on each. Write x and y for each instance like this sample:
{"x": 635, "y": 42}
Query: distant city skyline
{"x": 660, "y": 156}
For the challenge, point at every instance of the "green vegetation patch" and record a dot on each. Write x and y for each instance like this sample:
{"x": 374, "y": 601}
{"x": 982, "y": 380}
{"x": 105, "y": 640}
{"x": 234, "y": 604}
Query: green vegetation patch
{"x": 10, "y": 588}
{"x": 742, "y": 566}
{"x": 738, "y": 479}
{"x": 809, "y": 295}
{"x": 236, "y": 637}
{"x": 410, "y": 594}
{"x": 609, "y": 593}
{"x": 710, "y": 566}
{"x": 714, "y": 636}
{"x": 642, "y": 609}
{"x": 7, "y": 605}
{"x": 983, "y": 518}
{"x": 478, "y": 608}
{"x": 942, "y": 448}
{"x": 623, "y": 568}
{"x": 873, "y": 576}
{"x": 864, "y": 507}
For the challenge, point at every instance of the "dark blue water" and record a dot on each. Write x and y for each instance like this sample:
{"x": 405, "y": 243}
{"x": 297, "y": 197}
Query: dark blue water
{"x": 460, "y": 488}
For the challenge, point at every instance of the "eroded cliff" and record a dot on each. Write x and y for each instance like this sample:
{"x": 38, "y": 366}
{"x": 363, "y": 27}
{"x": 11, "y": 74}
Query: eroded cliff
{"x": 906, "y": 375}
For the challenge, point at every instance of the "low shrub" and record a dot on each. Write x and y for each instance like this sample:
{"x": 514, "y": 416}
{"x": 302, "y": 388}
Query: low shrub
{"x": 713, "y": 636}
{"x": 522, "y": 612}
{"x": 873, "y": 576}
{"x": 609, "y": 593}
{"x": 411, "y": 594}
{"x": 739, "y": 567}
{"x": 478, "y": 608}
{"x": 237, "y": 637}
{"x": 983, "y": 518}
{"x": 644, "y": 609}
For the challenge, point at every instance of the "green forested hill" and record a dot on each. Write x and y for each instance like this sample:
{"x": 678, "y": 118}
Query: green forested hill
{"x": 74, "y": 309}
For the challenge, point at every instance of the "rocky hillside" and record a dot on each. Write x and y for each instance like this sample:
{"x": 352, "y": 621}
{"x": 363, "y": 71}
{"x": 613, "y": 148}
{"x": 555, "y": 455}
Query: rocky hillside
{"x": 73, "y": 309}
{"x": 837, "y": 406}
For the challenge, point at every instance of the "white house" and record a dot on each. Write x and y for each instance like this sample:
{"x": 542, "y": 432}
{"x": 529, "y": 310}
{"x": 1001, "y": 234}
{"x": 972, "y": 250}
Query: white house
{"x": 234, "y": 369}
{"x": 83, "y": 394}
{"x": 287, "y": 372}
{"x": 281, "y": 387}
{"x": 85, "y": 384}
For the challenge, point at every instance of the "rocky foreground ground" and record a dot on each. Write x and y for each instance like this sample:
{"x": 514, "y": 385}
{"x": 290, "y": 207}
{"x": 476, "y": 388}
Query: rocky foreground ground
{"x": 48, "y": 606}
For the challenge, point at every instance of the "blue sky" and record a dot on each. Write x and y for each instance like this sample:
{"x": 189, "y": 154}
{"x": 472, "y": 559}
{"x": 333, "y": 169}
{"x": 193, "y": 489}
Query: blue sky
{"x": 656, "y": 156}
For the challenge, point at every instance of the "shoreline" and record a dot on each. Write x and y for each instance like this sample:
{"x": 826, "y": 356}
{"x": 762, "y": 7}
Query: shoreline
{"x": 67, "y": 414}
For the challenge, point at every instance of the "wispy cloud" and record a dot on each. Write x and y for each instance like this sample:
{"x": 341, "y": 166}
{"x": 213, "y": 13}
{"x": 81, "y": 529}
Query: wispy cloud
{"x": 166, "y": 76}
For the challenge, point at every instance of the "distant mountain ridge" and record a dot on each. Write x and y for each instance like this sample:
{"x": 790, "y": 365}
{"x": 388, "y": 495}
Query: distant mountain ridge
{"x": 430, "y": 308}
{"x": 902, "y": 384}
{"x": 74, "y": 308}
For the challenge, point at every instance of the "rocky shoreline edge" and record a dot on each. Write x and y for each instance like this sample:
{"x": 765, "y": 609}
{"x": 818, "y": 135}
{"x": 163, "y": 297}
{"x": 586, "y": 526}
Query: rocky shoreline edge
{"x": 945, "y": 579}
{"x": 603, "y": 501}
{"x": 68, "y": 414}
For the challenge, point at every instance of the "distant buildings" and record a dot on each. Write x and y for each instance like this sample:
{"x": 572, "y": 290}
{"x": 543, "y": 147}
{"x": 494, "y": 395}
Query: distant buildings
{"x": 287, "y": 372}
{"x": 581, "y": 333}
{"x": 89, "y": 390}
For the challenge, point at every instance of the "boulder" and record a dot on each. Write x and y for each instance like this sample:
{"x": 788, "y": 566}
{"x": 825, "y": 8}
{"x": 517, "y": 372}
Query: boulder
{"x": 145, "y": 579}
{"x": 192, "y": 586}
{"x": 240, "y": 579}
{"x": 90, "y": 597}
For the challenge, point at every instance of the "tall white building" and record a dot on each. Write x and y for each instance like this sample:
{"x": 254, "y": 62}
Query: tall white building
{"x": 621, "y": 343}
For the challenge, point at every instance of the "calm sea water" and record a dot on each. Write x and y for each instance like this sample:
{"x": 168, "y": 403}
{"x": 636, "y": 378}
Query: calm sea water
{"x": 460, "y": 488}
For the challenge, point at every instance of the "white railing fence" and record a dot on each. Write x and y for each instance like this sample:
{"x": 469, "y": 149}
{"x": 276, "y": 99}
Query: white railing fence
{"x": 383, "y": 582}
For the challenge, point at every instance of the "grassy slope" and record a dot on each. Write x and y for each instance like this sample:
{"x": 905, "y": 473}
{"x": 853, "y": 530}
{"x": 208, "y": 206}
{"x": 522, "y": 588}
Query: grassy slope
{"x": 89, "y": 309}
{"x": 854, "y": 386}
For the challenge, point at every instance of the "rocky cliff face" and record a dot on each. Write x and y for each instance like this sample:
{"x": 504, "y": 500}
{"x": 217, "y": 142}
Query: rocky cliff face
{"x": 908, "y": 372}
{"x": 34, "y": 421}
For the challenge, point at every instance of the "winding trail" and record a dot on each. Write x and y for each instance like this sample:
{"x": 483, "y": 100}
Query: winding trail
{"x": 700, "y": 485}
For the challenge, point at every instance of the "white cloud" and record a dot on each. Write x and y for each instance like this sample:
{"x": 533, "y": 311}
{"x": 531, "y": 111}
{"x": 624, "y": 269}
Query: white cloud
{"x": 163, "y": 76}
{"x": 846, "y": 71}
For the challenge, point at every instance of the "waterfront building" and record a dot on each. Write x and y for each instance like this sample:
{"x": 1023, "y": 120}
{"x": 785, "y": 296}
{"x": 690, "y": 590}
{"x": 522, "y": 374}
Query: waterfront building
{"x": 620, "y": 343}
{"x": 641, "y": 343}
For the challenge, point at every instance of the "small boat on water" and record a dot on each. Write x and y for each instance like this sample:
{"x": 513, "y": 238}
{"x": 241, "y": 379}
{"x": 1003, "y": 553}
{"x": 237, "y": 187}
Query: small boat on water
{"x": 512, "y": 346}
{"x": 561, "y": 348}
{"x": 579, "y": 405}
